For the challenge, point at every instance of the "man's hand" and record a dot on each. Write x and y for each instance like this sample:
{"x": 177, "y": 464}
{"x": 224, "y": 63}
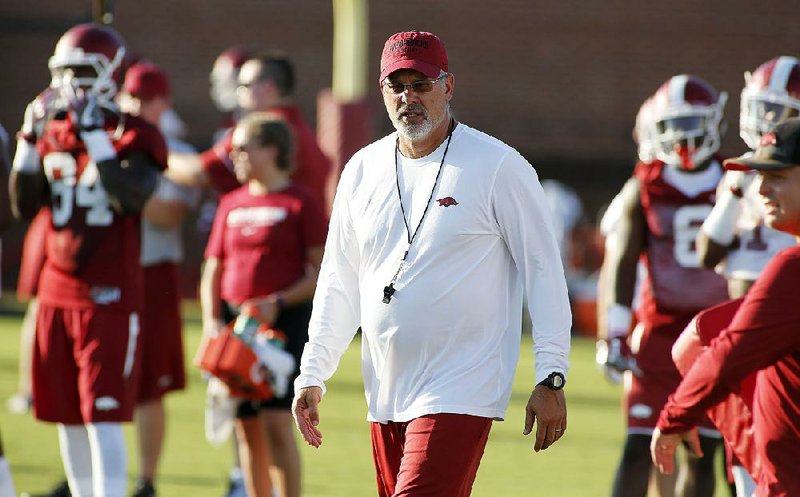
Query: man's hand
{"x": 614, "y": 357}
{"x": 662, "y": 448}
{"x": 549, "y": 409}
{"x": 212, "y": 327}
{"x": 87, "y": 114}
{"x": 306, "y": 414}
{"x": 266, "y": 308}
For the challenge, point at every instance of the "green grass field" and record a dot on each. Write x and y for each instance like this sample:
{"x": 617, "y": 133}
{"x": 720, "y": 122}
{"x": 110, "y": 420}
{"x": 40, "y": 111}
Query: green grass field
{"x": 581, "y": 464}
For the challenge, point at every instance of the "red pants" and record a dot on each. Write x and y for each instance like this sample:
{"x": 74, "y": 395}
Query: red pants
{"x": 432, "y": 456}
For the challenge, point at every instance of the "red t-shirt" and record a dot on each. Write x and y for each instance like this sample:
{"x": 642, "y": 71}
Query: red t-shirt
{"x": 261, "y": 240}
{"x": 764, "y": 336}
{"x": 92, "y": 252}
{"x": 312, "y": 166}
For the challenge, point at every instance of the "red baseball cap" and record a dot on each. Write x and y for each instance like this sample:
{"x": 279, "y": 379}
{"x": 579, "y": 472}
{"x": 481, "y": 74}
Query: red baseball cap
{"x": 146, "y": 81}
{"x": 418, "y": 50}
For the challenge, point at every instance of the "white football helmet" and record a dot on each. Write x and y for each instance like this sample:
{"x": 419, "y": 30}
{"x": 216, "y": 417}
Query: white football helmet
{"x": 771, "y": 95}
{"x": 90, "y": 57}
{"x": 224, "y": 78}
{"x": 684, "y": 119}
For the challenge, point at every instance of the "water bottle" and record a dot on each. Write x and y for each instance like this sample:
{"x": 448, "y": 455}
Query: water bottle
{"x": 245, "y": 328}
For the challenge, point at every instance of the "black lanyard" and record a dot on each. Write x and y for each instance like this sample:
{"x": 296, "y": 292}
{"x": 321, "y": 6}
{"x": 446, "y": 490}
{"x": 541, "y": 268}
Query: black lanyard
{"x": 389, "y": 290}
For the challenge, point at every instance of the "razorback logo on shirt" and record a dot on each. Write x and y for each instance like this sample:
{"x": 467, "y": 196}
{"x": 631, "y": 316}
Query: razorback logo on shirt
{"x": 446, "y": 202}
{"x": 255, "y": 216}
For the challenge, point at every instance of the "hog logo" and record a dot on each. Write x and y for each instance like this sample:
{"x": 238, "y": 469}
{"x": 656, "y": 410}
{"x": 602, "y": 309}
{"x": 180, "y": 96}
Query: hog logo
{"x": 447, "y": 201}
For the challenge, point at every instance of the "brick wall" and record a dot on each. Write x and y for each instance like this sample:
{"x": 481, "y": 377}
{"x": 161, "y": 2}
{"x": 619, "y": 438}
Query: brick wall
{"x": 560, "y": 81}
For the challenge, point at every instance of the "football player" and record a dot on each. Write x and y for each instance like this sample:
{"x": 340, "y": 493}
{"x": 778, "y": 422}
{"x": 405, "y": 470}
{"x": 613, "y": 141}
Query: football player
{"x": 733, "y": 237}
{"x": 95, "y": 167}
{"x": 661, "y": 208}
{"x": 224, "y": 81}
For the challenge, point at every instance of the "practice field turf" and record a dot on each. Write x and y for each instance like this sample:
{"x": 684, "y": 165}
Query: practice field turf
{"x": 581, "y": 464}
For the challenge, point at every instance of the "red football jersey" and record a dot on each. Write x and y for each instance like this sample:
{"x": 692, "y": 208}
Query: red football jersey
{"x": 676, "y": 286}
{"x": 92, "y": 251}
{"x": 676, "y": 282}
{"x": 312, "y": 166}
{"x": 261, "y": 240}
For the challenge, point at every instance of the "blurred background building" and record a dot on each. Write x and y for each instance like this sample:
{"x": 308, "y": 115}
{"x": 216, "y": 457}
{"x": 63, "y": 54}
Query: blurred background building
{"x": 559, "y": 81}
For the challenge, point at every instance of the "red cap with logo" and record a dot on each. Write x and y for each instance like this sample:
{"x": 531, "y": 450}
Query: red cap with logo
{"x": 146, "y": 81}
{"x": 418, "y": 50}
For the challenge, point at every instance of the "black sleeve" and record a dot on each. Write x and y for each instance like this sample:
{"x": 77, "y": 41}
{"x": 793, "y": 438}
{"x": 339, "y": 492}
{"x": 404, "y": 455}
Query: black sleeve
{"x": 129, "y": 182}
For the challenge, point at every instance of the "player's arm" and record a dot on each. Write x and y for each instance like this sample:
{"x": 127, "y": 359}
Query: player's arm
{"x": 210, "y": 284}
{"x": 167, "y": 206}
{"x": 27, "y": 185}
{"x": 717, "y": 234}
{"x": 617, "y": 284}
{"x": 624, "y": 246}
{"x": 186, "y": 169}
{"x": 128, "y": 182}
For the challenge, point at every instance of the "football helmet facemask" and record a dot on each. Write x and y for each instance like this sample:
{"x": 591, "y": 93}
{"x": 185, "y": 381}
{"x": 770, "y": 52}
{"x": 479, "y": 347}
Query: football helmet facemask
{"x": 88, "y": 58}
{"x": 771, "y": 95}
{"x": 684, "y": 120}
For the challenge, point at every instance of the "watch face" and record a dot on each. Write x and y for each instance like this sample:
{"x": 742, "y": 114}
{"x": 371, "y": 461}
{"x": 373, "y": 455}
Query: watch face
{"x": 557, "y": 380}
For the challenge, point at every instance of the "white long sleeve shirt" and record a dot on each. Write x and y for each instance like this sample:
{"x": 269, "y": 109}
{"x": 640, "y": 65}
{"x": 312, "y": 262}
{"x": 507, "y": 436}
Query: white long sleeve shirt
{"x": 449, "y": 339}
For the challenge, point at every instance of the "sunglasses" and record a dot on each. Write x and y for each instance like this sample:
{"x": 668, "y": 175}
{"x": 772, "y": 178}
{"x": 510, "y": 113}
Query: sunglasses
{"x": 421, "y": 86}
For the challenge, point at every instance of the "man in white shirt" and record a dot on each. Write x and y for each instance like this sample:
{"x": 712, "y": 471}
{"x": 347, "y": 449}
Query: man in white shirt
{"x": 429, "y": 253}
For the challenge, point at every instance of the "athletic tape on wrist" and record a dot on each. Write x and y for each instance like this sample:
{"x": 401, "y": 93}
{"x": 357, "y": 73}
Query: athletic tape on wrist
{"x": 720, "y": 223}
{"x": 618, "y": 319}
{"x": 26, "y": 159}
{"x": 98, "y": 144}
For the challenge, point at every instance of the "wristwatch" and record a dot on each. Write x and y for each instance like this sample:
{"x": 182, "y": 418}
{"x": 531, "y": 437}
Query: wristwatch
{"x": 554, "y": 381}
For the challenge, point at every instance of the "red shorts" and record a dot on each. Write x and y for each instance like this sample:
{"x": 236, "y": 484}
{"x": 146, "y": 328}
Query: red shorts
{"x": 161, "y": 339}
{"x": 84, "y": 365}
{"x": 646, "y": 395}
{"x": 33, "y": 255}
{"x": 433, "y": 455}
